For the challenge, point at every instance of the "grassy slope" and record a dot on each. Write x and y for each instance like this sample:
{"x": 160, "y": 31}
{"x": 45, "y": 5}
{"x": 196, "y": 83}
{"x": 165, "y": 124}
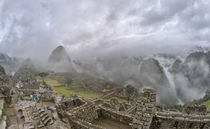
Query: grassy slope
{"x": 59, "y": 87}
{"x": 207, "y": 104}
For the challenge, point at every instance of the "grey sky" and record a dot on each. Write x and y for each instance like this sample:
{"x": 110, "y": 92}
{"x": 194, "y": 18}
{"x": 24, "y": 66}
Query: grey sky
{"x": 94, "y": 27}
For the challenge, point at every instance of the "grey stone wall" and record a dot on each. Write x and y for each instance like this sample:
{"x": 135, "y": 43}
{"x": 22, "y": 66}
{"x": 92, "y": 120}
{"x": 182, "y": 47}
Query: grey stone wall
{"x": 145, "y": 109}
{"x": 119, "y": 116}
{"x": 170, "y": 123}
{"x": 88, "y": 113}
{"x": 195, "y": 109}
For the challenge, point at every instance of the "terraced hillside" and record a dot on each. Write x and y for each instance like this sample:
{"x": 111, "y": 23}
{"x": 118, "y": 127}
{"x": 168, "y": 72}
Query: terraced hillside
{"x": 60, "y": 85}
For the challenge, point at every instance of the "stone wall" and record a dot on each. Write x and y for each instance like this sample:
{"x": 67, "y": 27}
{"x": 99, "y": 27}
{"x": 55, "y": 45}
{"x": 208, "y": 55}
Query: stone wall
{"x": 149, "y": 115}
{"x": 87, "y": 114}
{"x": 116, "y": 105}
{"x": 72, "y": 103}
{"x": 195, "y": 109}
{"x": 78, "y": 124}
{"x": 2, "y": 117}
{"x": 171, "y": 123}
{"x": 119, "y": 116}
{"x": 145, "y": 109}
{"x": 68, "y": 105}
{"x": 47, "y": 96}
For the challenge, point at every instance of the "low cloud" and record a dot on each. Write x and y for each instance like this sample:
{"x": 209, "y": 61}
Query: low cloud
{"x": 89, "y": 27}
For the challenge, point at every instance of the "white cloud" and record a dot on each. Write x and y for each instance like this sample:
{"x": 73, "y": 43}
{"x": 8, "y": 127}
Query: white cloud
{"x": 99, "y": 27}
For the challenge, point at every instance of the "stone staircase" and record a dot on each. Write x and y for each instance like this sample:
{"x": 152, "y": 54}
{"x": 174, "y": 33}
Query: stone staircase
{"x": 45, "y": 118}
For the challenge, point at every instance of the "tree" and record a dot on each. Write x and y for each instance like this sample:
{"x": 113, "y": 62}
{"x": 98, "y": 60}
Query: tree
{"x": 43, "y": 75}
{"x": 68, "y": 81}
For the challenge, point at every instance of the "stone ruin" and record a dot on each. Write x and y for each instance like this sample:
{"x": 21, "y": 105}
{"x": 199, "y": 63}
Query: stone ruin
{"x": 116, "y": 105}
{"x": 68, "y": 105}
{"x": 195, "y": 109}
{"x": 80, "y": 113}
{"x": 145, "y": 110}
{"x": 146, "y": 114}
{"x": 24, "y": 78}
{"x": 47, "y": 96}
{"x": 34, "y": 115}
{"x": 149, "y": 115}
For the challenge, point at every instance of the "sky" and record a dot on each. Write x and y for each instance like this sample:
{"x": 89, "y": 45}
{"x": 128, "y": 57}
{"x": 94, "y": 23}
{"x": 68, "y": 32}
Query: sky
{"x": 33, "y": 28}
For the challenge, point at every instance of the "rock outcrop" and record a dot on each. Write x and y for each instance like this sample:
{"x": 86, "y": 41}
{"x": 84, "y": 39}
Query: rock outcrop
{"x": 4, "y": 83}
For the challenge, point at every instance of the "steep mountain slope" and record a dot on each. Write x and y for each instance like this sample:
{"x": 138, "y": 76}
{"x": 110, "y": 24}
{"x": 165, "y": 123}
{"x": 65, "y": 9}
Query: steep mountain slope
{"x": 152, "y": 75}
{"x": 59, "y": 60}
{"x": 10, "y": 64}
{"x": 192, "y": 76}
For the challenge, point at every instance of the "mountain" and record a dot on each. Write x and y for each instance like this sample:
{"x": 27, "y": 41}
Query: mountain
{"x": 153, "y": 75}
{"x": 59, "y": 60}
{"x": 191, "y": 76}
{"x": 11, "y": 64}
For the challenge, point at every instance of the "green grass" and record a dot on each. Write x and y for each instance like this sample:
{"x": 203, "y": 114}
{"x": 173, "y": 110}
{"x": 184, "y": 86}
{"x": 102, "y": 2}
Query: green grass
{"x": 52, "y": 83}
{"x": 119, "y": 99}
{"x": 68, "y": 93}
{"x": 207, "y": 104}
{"x": 56, "y": 83}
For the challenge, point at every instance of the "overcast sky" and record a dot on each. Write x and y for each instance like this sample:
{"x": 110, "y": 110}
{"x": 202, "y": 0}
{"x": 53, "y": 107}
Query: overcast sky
{"x": 32, "y": 28}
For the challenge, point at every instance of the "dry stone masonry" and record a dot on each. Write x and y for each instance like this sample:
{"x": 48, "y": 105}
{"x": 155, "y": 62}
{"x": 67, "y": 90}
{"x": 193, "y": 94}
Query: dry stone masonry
{"x": 145, "y": 109}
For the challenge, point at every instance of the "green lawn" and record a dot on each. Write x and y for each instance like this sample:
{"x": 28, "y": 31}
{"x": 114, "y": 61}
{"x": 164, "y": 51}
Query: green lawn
{"x": 52, "y": 83}
{"x": 68, "y": 93}
{"x": 60, "y": 88}
{"x": 207, "y": 104}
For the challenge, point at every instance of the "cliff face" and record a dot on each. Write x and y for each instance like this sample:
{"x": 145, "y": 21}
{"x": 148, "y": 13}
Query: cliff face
{"x": 153, "y": 75}
{"x": 10, "y": 64}
{"x": 192, "y": 75}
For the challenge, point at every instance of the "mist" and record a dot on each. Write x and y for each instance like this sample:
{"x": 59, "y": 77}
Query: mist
{"x": 111, "y": 39}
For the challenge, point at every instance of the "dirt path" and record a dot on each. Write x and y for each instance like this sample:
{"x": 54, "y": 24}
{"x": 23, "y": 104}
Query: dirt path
{"x": 13, "y": 118}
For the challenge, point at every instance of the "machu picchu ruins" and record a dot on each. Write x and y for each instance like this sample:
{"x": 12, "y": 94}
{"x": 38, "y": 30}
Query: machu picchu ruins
{"x": 104, "y": 64}
{"x": 30, "y": 108}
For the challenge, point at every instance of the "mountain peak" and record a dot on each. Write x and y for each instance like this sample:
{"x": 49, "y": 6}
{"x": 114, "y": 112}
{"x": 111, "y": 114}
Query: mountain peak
{"x": 59, "y": 54}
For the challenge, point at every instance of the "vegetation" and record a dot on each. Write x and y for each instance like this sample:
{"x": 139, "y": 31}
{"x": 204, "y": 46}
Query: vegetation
{"x": 69, "y": 93}
{"x": 68, "y": 81}
{"x": 203, "y": 101}
{"x": 177, "y": 107}
{"x": 43, "y": 74}
{"x": 207, "y": 104}
{"x": 62, "y": 88}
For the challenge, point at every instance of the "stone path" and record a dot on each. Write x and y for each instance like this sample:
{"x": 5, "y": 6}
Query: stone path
{"x": 13, "y": 118}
